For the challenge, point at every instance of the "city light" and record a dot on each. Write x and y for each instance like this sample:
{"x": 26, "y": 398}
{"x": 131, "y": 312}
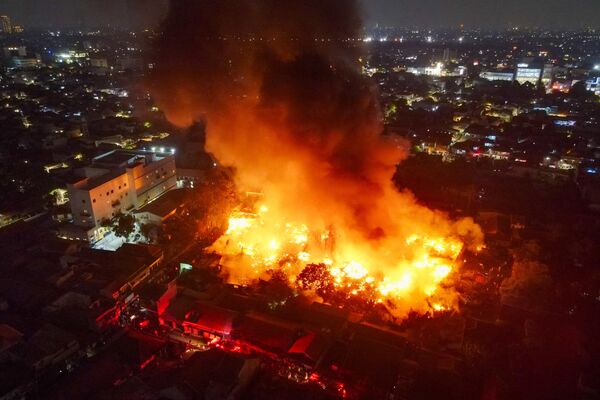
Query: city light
{"x": 336, "y": 199}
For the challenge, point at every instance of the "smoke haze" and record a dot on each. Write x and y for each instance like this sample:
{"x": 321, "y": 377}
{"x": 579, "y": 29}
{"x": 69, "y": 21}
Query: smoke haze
{"x": 285, "y": 102}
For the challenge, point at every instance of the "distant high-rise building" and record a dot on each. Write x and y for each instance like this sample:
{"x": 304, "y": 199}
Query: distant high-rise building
{"x": 6, "y": 24}
{"x": 529, "y": 70}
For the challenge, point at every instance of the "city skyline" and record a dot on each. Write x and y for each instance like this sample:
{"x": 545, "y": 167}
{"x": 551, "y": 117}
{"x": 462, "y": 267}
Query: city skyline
{"x": 292, "y": 199}
{"x": 554, "y": 14}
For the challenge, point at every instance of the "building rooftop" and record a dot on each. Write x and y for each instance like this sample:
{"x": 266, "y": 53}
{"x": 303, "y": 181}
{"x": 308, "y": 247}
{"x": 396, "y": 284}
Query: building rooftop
{"x": 116, "y": 158}
{"x": 118, "y": 266}
{"x": 166, "y": 204}
{"x": 211, "y": 318}
{"x": 126, "y": 158}
{"x": 46, "y": 342}
{"x": 8, "y": 337}
{"x": 269, "y": 333}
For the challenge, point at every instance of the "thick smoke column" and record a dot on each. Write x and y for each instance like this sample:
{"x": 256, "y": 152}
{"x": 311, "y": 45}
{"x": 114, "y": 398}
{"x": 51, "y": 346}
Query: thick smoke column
{"x": 282, "y": 94}
{"x": 280, "y": 87}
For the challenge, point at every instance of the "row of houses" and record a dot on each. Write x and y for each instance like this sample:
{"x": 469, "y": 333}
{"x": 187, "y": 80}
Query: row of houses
{"x": 313, "y": 342}
{"x": 58, "y": 304}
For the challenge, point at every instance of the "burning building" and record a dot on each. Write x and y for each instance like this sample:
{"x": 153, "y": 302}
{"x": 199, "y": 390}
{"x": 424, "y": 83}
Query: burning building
{"x": 280, "y": 87}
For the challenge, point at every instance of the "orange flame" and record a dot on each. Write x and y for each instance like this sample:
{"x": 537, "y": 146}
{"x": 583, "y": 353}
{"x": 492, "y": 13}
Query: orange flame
{"x": 255, "y": 245}
{"x": 286, "y": 104}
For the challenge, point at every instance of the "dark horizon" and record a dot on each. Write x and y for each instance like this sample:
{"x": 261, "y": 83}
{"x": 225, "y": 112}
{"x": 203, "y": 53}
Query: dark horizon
{"x": 422, "y": 14}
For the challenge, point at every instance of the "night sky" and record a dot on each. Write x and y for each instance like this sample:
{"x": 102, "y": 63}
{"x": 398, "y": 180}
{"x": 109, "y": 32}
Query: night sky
{"x": 409, "y": 13}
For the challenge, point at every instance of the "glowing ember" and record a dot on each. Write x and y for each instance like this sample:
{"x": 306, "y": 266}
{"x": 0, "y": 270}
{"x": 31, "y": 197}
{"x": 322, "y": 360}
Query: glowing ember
{"x": 239, "y": 223}
{"x": 408, "y": 277}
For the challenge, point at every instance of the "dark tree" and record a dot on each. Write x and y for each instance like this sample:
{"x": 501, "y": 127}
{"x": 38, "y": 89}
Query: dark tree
{"x": 123, "y": 225}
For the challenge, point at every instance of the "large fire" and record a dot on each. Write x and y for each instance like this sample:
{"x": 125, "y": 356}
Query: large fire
{"x": 280, "y": 87}
{"x": 256, "y": 246}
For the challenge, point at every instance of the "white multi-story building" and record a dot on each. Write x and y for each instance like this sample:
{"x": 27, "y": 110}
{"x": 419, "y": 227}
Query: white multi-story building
{"x": 534, "y": 70}
{"x": 528, "y": 74}
{"x": 119, "y": 182}
{"x": 593, "y": 85}
{"x": 497, "y": 76}
{"x": 437, "y": 70}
